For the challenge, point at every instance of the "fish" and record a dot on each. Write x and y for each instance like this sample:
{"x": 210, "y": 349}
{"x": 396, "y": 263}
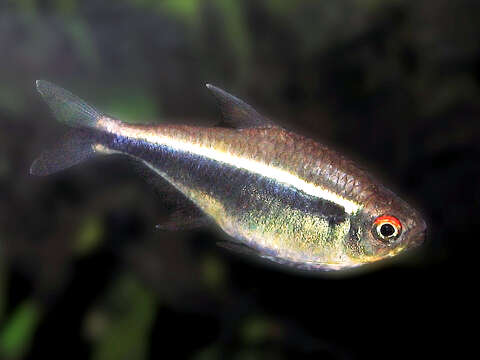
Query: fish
{"x": 279, "y": 196}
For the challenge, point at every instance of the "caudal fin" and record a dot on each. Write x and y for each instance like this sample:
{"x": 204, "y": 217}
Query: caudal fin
{"x": 79, "y": 144}
{"x": 67, "y": 107}
{"x": 76, "y": 146}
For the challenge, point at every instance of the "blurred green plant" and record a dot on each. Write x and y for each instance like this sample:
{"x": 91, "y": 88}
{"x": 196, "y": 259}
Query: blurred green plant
{"x": 89, "y": 236}
{"x": 3, "y": 279}
{"x": 120, "y": 325}
{"x": 281, "y": 6}
{"x": 237, "y": 33}
{"x": 26, "y": 5}
{"x": 233, "y": 22}
{"x": 17, "y": 333}
{"x": 258, "y": 329}
{"x": 131, "y": 105}
{"x": 214, "y": 272}
{"x": 12, "y": 100}
{"x": 82, "y": 40}
{"x": 210, "y": 353}
{"x": 187, "y": 9}
{"x": 66, "y": 6}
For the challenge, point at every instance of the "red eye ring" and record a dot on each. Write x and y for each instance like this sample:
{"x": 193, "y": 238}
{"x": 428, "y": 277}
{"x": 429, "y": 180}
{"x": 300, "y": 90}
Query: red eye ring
{"x": 387, "y": 227}
{"x": 388, "y": 219}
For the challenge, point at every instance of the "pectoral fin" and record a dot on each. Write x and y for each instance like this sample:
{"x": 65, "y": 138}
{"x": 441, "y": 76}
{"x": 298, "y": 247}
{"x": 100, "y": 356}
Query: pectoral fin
{"x": 184, "y": 218}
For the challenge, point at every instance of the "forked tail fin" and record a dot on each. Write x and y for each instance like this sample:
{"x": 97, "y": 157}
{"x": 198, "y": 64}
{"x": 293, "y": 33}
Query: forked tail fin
{"x": 76, "y": 146}
{"x": 67, "y": 107}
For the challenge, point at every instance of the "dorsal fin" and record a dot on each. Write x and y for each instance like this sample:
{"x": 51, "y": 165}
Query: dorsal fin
{"x": 236, "y": 112}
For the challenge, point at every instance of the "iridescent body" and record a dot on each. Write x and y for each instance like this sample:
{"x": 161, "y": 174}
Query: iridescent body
{"x": 283, "y": 196}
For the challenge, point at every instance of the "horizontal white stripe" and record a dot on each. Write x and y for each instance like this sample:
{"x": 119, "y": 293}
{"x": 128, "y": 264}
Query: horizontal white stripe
{"x": 253, "y": 166}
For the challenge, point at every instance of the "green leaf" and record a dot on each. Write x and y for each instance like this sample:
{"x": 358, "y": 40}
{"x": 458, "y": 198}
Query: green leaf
{"x": 122, "y": 324}
{"x": 188, "y": 9}
{"x": 81, "y": 38}
{"x": 26, "y": 5}
{"x": 133, "y": 106}
{"x": 2, "y": 284}
{"x": 12, "y": 100}
{"x": 89, "y": 236}
{"x": 257, "y": 329}
{"x": 16, "y": 336}
{"x": 213, "y": 272}
{"x": 236, "y": 29}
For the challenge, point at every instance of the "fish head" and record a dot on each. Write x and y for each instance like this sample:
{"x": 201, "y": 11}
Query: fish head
{"x": 387, "y": 226}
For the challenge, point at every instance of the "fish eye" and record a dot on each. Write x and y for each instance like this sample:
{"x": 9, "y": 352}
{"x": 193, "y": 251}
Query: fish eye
{"x": 387, "y": 228}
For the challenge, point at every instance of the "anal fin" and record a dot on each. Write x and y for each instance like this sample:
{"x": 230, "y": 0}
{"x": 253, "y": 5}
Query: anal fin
{"x": 238, "y": 248}
{"x": 255, "y": 254}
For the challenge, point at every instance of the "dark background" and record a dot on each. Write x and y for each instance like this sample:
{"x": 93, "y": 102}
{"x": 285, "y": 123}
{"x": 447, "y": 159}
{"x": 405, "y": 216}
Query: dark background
{"x": 83, "y": 273}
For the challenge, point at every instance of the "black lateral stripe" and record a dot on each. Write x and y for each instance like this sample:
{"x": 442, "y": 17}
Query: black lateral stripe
{"x": 244, "y": 189}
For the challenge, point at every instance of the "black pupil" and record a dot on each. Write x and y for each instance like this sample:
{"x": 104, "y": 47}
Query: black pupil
{"x": 387, "y": 230}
